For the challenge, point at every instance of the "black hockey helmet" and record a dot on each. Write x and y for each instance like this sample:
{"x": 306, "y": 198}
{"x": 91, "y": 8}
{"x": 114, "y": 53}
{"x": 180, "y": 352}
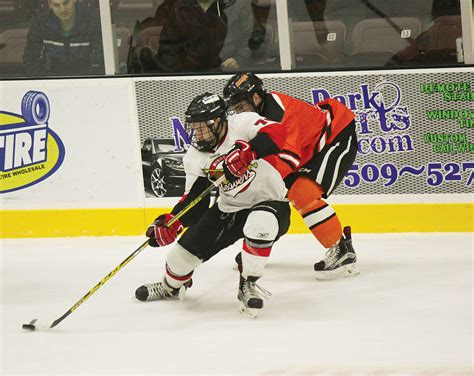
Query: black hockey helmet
{"x": 201, "y": 117}
{"x": 242, "y": 86}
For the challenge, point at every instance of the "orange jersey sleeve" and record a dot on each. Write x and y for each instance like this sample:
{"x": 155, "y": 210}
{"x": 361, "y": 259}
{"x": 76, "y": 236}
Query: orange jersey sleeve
{"x": 304, "y": 123}
{"x": 309, "y": 127}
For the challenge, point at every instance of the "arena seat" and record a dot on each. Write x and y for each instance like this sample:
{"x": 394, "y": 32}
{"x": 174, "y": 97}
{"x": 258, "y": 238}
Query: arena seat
{"x": 122, "y": 36}
{"x": 348, "y": 11}
{"x": 137, "y": 5}
{"x": 150, "y": 37}
{"x": 441, "y": 39}
{"x": 316, "y": 43}
{"x": 263, "y": 3}
{"x": 14, "y": 41}
{"x": 374, "y": 41}
{"x": 7, "y": 6}
{"x": 12, "y": 46}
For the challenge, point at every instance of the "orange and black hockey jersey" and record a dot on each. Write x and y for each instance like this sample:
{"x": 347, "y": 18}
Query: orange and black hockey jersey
{"x": 309, "y": 127}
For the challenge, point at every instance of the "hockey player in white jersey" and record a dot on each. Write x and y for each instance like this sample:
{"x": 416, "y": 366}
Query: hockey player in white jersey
{"x": 251, "y": 205}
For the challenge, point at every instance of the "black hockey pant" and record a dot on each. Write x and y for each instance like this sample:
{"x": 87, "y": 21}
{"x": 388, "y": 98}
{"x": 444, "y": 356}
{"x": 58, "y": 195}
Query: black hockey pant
{"x": 217, "y": 230}
{"x": 329, "y": 166}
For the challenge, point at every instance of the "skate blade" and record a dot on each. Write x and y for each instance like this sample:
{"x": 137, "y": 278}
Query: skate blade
{"x": 249, "y": 312}
{"x": 350, "y": 270}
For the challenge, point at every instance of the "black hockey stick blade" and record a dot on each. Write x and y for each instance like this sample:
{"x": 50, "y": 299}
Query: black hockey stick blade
{"x": 34, "y": 325}
{"x": 31, "y": 326}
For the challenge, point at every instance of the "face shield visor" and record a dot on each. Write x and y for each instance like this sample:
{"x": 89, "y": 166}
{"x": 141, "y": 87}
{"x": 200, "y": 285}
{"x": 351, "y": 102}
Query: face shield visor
{"x": 238, "y": 105}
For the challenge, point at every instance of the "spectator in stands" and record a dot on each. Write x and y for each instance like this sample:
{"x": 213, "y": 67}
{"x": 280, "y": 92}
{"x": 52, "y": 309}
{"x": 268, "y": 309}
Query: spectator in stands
{"x": 240, "y": 24}
{"x": 141, "y": 58}
{"x": 313, "y": 11}
{"x": 200, "y": 35}
{"x": 316, "y": 9}
{"x": 64, "y": 40}
{"x": 193, "y": 37}
{"x": 160, "y": 17}
{"x": 416, "y": 52}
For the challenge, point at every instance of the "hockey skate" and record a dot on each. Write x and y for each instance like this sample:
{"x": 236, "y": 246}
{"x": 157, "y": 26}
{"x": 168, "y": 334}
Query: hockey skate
{"x": 340, "y": 261}
{"x": 251, "y": 296}
{"x": 161, "y": 291}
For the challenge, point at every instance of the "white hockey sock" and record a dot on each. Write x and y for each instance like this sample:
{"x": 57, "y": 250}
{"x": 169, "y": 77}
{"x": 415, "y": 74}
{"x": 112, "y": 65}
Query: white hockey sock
{"x": 260, "y": 230}
{"x": 253, "y": 260}
{"x": 180, "y": 265}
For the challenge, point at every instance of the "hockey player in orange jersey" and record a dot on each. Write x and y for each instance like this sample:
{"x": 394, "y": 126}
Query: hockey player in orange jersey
{"x": 320, "y": 147}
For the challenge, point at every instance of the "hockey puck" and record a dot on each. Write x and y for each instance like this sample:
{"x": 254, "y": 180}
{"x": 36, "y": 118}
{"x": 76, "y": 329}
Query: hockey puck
{"x": 31, "y": 326}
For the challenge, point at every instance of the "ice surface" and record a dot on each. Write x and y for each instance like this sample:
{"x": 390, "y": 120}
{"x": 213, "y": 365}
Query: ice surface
{"x": 409, "y": 311}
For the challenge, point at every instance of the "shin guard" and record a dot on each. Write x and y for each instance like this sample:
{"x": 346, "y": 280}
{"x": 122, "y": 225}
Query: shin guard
{"x": 306, "y": 196}
{"x": 180, "y": 265}
{"x": 260, "y": 230}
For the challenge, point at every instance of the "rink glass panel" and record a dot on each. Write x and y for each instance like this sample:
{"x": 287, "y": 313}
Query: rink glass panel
{"x": 323, "y": 35}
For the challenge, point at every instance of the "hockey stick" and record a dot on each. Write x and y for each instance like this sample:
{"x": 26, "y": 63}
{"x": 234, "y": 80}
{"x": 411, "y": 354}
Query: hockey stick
{"x": 32, "y": 325}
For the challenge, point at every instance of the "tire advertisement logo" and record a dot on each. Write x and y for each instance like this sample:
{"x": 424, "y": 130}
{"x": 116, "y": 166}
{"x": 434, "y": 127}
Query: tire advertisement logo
{"x": 30, "y": 151}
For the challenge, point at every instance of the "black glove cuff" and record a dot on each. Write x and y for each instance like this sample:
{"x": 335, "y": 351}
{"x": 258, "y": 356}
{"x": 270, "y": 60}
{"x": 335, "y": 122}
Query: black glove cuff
{"x": 152, "y": 242}
{"x": 229, "y": 175}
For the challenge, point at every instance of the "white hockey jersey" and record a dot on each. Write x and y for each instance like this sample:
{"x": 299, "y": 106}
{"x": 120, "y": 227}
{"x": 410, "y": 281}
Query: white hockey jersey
{"x": 261, "y": 182}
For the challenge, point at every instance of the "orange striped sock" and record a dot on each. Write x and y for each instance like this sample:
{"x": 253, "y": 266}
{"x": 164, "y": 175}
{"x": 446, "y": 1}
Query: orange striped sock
{"x": 306, "y": 196}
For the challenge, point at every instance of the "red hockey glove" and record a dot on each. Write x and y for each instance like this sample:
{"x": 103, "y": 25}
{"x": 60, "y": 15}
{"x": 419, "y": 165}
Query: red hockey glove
{"x": 238, "y": 160}
{"x": 160, "y": 235}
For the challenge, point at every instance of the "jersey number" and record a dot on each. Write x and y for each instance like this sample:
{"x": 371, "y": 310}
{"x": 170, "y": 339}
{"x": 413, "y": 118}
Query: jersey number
{"x": 261, "y": 122}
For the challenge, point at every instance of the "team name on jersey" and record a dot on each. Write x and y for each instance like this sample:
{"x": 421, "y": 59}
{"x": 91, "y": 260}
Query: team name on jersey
{"x": 242, "y": 183}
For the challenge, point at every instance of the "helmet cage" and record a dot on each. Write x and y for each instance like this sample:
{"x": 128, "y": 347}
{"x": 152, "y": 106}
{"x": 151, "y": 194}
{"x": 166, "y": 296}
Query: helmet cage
{"x": 209, "y": 132}
{"x": 201, "y": 118}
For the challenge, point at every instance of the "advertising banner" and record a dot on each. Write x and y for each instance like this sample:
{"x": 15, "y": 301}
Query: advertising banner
{"x": 415, "y": 130}
{"x": 64, "y": 144}
{"x": 30, "y": 150}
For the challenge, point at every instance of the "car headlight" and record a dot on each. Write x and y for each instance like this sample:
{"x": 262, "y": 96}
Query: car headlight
{"x": 176, "y": 165}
